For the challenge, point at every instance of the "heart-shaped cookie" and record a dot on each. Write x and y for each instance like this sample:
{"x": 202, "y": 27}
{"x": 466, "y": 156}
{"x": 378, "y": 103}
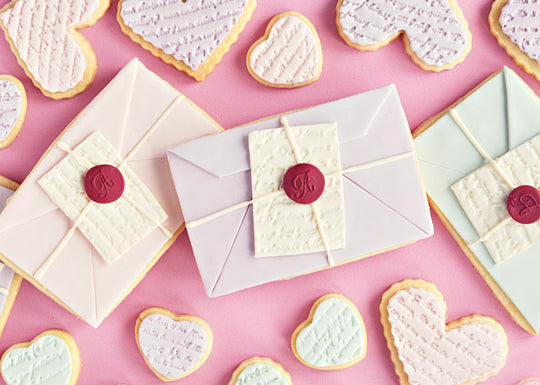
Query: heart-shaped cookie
{"x": 530, "y": 381}
{"x": 12, "y": 109}
{"x": 43, "y": 35}
{"x": 50, "y": 358}
{"x": 435, "y": 33}
{"x": 260, "y": 371}
{"x": 289, "y": 54}
{"x": 173, "y": 346}
{"x": 192, "y": 35}
{"x": 334, "y": 335}
{"x": 515, "y": 25}
{"x": 425, "y": 351}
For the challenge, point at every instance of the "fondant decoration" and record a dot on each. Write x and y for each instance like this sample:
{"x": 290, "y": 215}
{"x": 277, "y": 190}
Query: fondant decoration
{"x": 514, "y": 24}
{"x": 191, "y": 35}
{"x": 50, "y": 358}
{"x": 500, "y": 114}
{"x": 289, "y": 54}
{"x": 12, "y": 109}
{"x": 523, "y": 204}
{"x": 104, "y": 183}
{"x": 57, "y": 58}
{"x": 130, "y": 124}
{"x": 303, "y": 183}
{"x": 425, "y": 351}
{"x": 173, "y": 346}
{"x": 435, "y": 33}
{"x": 260, "y": 371}
{"x": 333, "y": 337}
{"x": 382, "y": 190}
{"x": 530, "y": 381}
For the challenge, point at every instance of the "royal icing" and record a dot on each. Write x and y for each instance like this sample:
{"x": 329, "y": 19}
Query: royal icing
{"x": 436, "y": 34}
{"x": 11, "y": 103}
{"x": 190, "y": 31}
{"x": 172, "y": 348}
{"x": 530, "y": 381}
{"x": 289, "y": 55}
{"x": 336, "y": 335}
{"x": 261, "y": 374}
{"x": 431, "y": 355}
{"x": 42, "y": 35}
{"x": 46, "y": 361}
{"x": 519, "y": 21}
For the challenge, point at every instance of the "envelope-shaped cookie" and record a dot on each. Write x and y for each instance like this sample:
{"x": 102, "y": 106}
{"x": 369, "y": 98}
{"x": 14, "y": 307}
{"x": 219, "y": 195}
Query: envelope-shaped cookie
{"x": 245, "y": 228}
{"x": 100, "y": 208}
{"x": 472, "y": 156}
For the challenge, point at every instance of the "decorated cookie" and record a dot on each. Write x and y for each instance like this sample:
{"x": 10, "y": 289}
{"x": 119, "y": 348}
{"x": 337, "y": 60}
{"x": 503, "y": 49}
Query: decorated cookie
{"x": 12, "y": 109}
{"x": 57, "y": 58}
{"x": 50, "y": 358}
{"x": 435, "y": 33}
{"x": 191, "y": 35}
{"x": 173, "y": 346}
{"x": 260, "y": 371}
{"x": 289, "y": 54}
{"x": 333, "y": 337}
{"x": 530, "y": 381}
{"x": 425, "y": 351}
{"x": 515, "y": 25}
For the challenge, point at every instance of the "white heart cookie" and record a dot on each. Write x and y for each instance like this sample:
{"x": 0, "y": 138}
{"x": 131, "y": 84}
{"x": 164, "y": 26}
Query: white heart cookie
{"x": 425, "y": 351}
{"x": 50, "y": 358}
{"x": 43, "y": 36}
{"x": 12, "y": 109}
{"x": 334, "y": 335}
{"x": 435, "y": 33}
{"x": 288, "y": 55}
{"x": 173, "y": 346}
{"x": 260, "y": 371}
{"x": 192, "y": 35}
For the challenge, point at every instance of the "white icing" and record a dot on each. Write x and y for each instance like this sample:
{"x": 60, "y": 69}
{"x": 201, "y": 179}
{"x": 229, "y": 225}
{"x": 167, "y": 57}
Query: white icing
{"x": 112, "y": 228}
{"x": 47, "y": 361}
{"x": 483, "y": 194}
{"x": 437, "y": 36}
{"x": 519, "y": 21}
{"x": 290, "y": 55}
{"x": 190, "y": 31}
{"x": 10, "y": 107}
{"x": 432, "y": 356}
{"x": 281, "y": 226}
{"x": 261, "y": 374}
{"x": 172, "y": 348}
{"x": 6, "y": 274}
{"x": 335, "y": 336}
{"x": 531, "y": 381}
{"x": 38, "y": 30}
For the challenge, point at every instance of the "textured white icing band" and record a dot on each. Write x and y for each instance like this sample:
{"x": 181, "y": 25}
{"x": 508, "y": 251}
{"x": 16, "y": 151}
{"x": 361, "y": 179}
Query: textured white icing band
{"x": 519, "y": 21}
{"x": 290, "y": 55}
{"x": 432, "y": 356}
{"x": 39, "y": 31}
{"x": 10, "y": 107}
{"x": 437, "y": 36}
{"x": 190, "y": 31}
{"x": 172, "y": 348}
{"x": 261, "y": 374}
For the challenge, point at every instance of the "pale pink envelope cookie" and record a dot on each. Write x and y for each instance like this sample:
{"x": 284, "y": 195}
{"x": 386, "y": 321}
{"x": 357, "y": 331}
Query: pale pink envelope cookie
{"x": 139, "y": 116}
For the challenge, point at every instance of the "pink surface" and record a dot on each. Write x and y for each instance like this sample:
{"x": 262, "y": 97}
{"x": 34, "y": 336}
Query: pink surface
{"x": 260, "y": 321}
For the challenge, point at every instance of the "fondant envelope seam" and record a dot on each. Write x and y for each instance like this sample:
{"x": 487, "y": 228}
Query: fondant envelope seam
{"x": 129, "y": 101}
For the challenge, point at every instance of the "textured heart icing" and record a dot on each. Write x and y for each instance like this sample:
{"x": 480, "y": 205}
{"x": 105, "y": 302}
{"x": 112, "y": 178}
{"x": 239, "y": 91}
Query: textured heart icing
{"x": 12, "y": 107}
{"x": 173, "y": 348}
{"x": 436, "y": 34}
{"x": 42, "y": 35}
{"x": 260, "y": 371}
{"x": 466, "y": 351}
{"x": 189, "y": 31}
{"x": 333, "y": 336}
{"x": 289, "y": 54}
{"x": 519, "y": 21}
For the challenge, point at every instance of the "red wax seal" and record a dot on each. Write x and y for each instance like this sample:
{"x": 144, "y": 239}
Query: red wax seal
{"x": 104, "y": 183}
{"x": 523, "y": 204}
{"x": 303, "y": 183}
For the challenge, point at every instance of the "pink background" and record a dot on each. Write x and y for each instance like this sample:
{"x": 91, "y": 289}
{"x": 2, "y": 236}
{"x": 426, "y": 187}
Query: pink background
{"x": 260, "y": 321}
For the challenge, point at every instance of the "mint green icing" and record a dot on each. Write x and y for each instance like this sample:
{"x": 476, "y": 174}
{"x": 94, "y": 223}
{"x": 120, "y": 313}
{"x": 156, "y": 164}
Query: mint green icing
{"x": 261, "y": 374}
{"x": 336, "y": 335}
{"x": 501, "y": 114}
{"x": 46, "y": 362}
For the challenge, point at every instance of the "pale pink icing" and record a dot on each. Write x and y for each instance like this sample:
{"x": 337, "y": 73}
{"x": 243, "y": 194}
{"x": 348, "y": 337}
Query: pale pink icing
{"x": 519, "y": 21}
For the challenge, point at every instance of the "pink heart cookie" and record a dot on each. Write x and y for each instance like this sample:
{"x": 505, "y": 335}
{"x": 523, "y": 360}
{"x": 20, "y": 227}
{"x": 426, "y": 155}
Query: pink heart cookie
{"x": 425, "y": 351}
{"x": 12, "y": 109}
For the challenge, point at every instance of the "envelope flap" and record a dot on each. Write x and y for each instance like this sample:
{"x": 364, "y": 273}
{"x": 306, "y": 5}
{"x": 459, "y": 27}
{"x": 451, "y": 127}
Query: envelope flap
{"x": 354, "y": 116}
